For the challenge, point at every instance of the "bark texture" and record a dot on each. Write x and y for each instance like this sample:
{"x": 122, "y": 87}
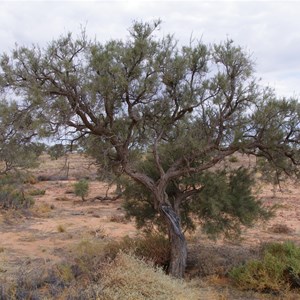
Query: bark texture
{"x": 177, "y": 241}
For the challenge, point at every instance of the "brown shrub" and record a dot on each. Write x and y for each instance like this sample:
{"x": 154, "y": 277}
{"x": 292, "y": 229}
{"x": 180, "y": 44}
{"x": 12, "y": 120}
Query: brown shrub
{"x": 44, "y": 209}
{"x": 210, "y": 259}
{"x": 151, "y": 247}
{"x": 119, "y": 219}
{"x": 61, "y": 228}
{"x": 281, "y": 228}
{"x": 31, "y": 179}
{"x": 36, "y": 192}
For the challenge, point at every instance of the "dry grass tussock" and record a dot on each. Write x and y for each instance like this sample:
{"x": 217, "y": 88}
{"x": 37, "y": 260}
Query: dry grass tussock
{"x": 91, "y": 271}
{"x": 131, "y": 278}
{"x": 281, "y": 229}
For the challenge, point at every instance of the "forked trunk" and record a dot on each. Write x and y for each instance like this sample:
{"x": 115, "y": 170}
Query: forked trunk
{"x": 177, "y": 241}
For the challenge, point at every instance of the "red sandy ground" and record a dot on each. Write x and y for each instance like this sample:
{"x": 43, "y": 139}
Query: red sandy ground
{"x": 45, "y": 234}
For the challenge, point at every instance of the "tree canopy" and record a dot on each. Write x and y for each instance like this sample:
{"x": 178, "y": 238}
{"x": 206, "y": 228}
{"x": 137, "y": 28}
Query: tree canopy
{"x": 18, "y": 149}
{"x": 148, "y": 101}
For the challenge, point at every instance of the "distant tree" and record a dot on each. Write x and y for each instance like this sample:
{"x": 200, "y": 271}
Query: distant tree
{"x": 18, "y": 151}
{"x": 148, "y": 101}
{"x": 17, "y": 132}
{"x": 56, "y": 151}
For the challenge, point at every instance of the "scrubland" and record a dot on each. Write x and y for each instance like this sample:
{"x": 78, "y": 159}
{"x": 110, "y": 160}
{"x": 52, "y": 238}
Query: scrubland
{"x": 65, "y": 248}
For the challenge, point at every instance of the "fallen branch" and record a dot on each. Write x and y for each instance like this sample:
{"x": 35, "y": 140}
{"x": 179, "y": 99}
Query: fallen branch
{"x": 107, "y": 198}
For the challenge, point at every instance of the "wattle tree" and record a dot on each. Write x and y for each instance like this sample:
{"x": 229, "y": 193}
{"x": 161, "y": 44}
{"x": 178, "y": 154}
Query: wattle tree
{"x": 18, "y": 130}
{"x": 163, "y": 115}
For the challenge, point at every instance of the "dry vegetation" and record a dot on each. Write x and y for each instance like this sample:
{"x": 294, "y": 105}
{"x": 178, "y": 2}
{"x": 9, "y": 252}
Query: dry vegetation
{"x": 63, "y": 248}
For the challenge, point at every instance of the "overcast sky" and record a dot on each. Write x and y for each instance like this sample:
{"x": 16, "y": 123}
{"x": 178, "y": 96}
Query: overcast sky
{"x": 270, "y": 30}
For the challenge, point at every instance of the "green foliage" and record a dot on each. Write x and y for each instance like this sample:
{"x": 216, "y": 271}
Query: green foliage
{"x": 160, "y": 115}
{"x": 104, "y": 156}
{"x": 138, "y": 204}
{"x": 17, "y": 129}
{"x": 270, "y": 273}
{"x": 12, "y": 194}
{"x": 81, "y": 189}
{"x": 224, "y": 202}
{"x": 279, "y": 118}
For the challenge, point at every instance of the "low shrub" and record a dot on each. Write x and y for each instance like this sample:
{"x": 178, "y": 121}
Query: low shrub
{"x": 119, "y": 219}
{"x": 99, "y": 233}
{"x": 40, "y": 210}
{"x": 89, "y": 256}
{"x": 65, "y": 273}
{"x": 280, "y": 263}
{"x": 81, "y": 189}
{"x": 91, "y": 272}
{"x": 281, "y": 229}
{"x": 36, "y": 192}
{"x": 26, "y": 285}
{"x": 12, "y": 194}
{"x": 29, "y": 178}
{"x": 151, "y": 247}
{"x": 129, "y": 277}
{"x": 61, "y": 228}
{"x": 207, "y": 258}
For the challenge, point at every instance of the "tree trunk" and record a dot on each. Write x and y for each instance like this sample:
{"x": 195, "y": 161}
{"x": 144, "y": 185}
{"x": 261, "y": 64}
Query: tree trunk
{"x": 177, "y": 242}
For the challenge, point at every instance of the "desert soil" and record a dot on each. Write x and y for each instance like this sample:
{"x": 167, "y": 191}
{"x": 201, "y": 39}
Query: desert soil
{"x": 60, "y": 219}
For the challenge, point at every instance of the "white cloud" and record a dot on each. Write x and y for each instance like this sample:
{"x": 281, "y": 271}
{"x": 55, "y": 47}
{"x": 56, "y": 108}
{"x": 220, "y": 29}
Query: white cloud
{"x": 268, "y": 29}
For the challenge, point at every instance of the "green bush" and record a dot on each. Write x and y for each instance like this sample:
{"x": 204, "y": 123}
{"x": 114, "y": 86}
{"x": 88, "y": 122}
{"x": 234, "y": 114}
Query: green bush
{"x": 56, "y": 151}
{"x": 272, "y": 272}
{"x": 81, "y": 189}
{"x": 224, "y": 205}
{"x": 12, "y": 194}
